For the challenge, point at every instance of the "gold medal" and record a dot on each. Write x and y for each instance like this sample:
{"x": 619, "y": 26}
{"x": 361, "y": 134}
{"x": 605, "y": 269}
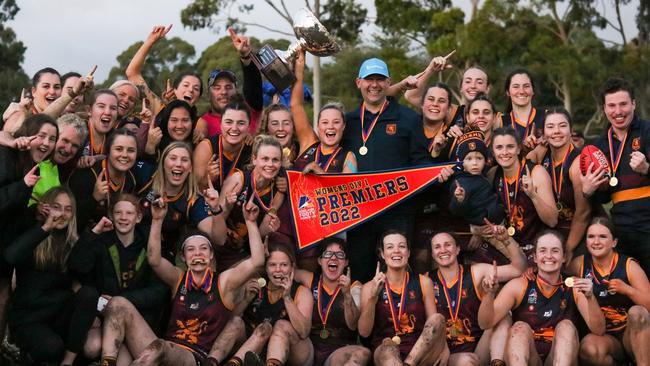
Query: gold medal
{"x": 613, "y": 181}
{"x": 559, "y": 206}
{"x": 261, "y": 281}
{"x": 396, "y": 339}
{"x": 511, "y": 230}
{"x": 363, "y": 150}
{"x": 569, "y": 282}
{"x": 324, "y": 334}
{"x": 272, "y": 211}
{"x": 286, "y": 152}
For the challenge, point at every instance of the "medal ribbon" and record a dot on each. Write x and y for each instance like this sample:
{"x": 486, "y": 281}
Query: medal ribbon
{"x": 507, "y": 191}
{"x": 365, "y": 135}
{"x": 92, "y": 141}
{"x": 531, "y": 117}
{"x": 605, "y": 279}
{"x": 257, "y": 195}
{"x": 539, "y": 279}
{"x": 205, "y": 284}
{"x": 401, "y": 302}
{"x": 453, "y": 312}
{"x": 234, "y": 162}
{"x": 619, "y": 153}
{"x": 329, "y": 161}
{"x": 329, "y": 304}
{"x": 113, "y": 187}
{"x": 557, "y": 183}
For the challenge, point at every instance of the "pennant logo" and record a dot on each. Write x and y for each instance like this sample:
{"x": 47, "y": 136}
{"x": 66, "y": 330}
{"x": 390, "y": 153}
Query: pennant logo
{"x": 327, "y": 204}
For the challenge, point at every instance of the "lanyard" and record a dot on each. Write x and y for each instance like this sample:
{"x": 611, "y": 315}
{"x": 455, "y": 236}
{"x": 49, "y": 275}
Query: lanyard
{"x": 328, "y": 306}
{"x": 510, "y": 203}
{"x": 615, "y": 160}
{"x": 400, "y": 306}
{"x": 605, "y": 278}
{"x": 531, "y": 117}
{"x": 557, "y": 182}
{"x": 366, "y": 135}
{"x": 257, "y": 195}
{"x": 329, "y": 161}
{"x": 234, "y": 162}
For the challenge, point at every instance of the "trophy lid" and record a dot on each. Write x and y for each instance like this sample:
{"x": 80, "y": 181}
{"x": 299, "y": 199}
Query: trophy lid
{"x": 317, "y": 40}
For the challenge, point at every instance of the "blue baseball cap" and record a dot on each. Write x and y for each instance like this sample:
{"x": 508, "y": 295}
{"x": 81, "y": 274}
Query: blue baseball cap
{"x": 373, "y": 66}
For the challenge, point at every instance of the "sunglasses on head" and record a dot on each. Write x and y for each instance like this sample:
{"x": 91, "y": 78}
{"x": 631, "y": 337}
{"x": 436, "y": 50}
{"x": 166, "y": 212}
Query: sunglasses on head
{"x": 329, "y": 254}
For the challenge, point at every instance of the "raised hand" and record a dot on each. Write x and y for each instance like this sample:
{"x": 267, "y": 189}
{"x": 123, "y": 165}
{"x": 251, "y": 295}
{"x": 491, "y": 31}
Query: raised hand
{"x": 241, "y": 43}
{"x": 154, "y": 136}
{"x": 583, "y": 285}
{"x": 459, "y": 192}
{"x": 593, "y": 179}
{"x": 531, "y": 141}
{"x": 158, "y": 32}
{"x": 146, "y": 115}
{"x": 313, "y": 168}
{"x": 169, "y": 94}
{"x": 233, "y": 194}
{"x": 83, "y": 84}
{"x": 286, "y": 285}
{"x": 639, "y": 163}
{"x": 159, "y": 208}
{"x": 104, "y": 225}
{"x": 378, "y": 281}
{"x": 528, "y": 184}
{"x": 214, "y": 166}
{"x": 345, "y": 280}
{"x": 250, "y": 210}
{"x": 31, "y": 177}
{"x": 455, "y": 131}
{"x": 299, "y": 65}
{"x": 270, "y": 223}
{"x": 26, "y": 100}
{"x": 490, "y": 283}
{"x": 211, "y": 196}
{"x": 281, "y": 184}
{"x": 439, "y": 63}
{"x": 54, "y": 217}
{"x": 439, "y": 142}
{"x": 445, "y": 174}
{"x": 100, "y": 192}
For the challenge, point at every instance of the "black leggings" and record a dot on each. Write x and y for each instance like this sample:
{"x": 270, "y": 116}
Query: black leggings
{"x": 48, "y": 341}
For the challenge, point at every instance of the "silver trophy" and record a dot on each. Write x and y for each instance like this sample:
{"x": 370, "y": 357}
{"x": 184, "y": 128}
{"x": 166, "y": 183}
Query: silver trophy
{"x": 312, "y": 36}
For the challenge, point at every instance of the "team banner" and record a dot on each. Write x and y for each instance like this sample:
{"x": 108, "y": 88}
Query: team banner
{"x": 327, "y": 204}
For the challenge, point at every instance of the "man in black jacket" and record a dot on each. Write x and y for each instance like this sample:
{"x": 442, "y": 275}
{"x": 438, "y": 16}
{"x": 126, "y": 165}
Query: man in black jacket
{"x": 383, "y": 135}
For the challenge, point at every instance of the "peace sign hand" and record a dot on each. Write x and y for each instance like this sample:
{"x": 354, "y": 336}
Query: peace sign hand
{"x": 241, "y": 43}
{"x": 528, "y": 184}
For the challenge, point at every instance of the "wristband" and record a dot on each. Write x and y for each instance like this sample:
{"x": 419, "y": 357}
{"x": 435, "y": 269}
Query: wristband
{"x": 216, "y": 212}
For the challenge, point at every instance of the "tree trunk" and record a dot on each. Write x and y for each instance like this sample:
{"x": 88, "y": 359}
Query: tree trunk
{"x": 566, "y": 92}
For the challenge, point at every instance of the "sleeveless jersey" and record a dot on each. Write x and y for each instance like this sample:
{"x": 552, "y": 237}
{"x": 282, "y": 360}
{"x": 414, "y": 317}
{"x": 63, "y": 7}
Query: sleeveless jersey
{"x": 533, "y": 126}
{"x": 543, "y": 312}
{"x": 614, "y": 306}
{"x": 522, "y": 214}
{"x": 463, "y": 333}
{"x": 198, "y": 315}
{"x": 229, "y": 164}
{"x": 313, "y": 153}
{"x": 566, "y": 204}
{"x": 262, "y": 309}
{"x": 410, "y": 324}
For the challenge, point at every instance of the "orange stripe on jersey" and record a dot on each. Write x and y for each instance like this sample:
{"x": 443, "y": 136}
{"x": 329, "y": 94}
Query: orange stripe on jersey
{"x": 476, "y": 289}
{"x": 631, "y": 194}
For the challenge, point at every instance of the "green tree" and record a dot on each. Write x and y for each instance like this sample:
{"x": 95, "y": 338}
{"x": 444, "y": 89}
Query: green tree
{"x": 167, "y": 59}
{"x": 12, "y": 51}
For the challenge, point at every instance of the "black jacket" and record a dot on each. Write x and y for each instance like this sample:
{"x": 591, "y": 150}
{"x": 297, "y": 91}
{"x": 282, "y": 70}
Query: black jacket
{"x": 480, "y": 200}
{"x": 95, "y": 258}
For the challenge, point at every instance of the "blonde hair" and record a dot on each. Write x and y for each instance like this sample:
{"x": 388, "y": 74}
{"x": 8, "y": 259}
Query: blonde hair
{"x": 52, "y": 253}
{"x": 263, "y": 140}
{"x": 189, "y": 187}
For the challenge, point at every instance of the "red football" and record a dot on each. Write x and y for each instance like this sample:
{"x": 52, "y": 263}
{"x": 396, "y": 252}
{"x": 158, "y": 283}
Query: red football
{"x": 592, "y": 154}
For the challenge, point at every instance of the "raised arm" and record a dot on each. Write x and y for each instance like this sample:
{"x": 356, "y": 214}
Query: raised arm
{"x": 217, "y": 225}
{"x": 493, "y": 310}
{"x": 134, "y": 70}
{"x": 304, "y": 130}
{"x": 414, "y": 96}
{"x": 350, "y": 309}
{"x": 84, "y": 84}
{"x": 233, "y": 279}
{"x": 299, "y": 311}
{"x": 588, "y": 305}
{"x": 369, "y": 295}
{"x": 252, "y": 78}
{"x": 165, "y": 270}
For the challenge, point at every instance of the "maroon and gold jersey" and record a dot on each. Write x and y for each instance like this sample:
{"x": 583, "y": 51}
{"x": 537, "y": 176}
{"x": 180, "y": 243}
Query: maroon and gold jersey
{"x": 330, "y": 163}
{"x": 543, "y": 311}
{"x": 614, "y": 306}
{"x": 412, "y": 319}
{"x": 198, "y": 313}
{"x": 463, "y": 331}
{"x": 561, "y": 181}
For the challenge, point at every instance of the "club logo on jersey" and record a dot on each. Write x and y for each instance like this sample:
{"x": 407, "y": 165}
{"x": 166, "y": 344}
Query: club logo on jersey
{"x": 391, "y": 129}
{"x": 412, "y": 294}
{"x": 636, "y": 144}
{"x": 548, "y": 313}
{"x": 531, "y": 308}
{"x": 463, "y": 293}
{"x": 436, "y": 289}
{"x": 563, "y": 304}
{"x": 532, "y": 297}
{"x": 306, "y": 208}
